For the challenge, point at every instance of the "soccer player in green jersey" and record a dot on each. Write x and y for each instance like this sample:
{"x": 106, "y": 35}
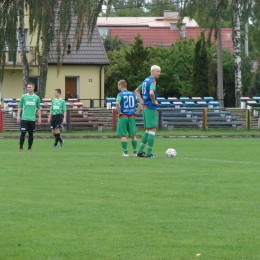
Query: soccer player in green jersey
{"x": 126, "y": 108}
{"x": 28, "y": 104}
{"x": 149, "y": 94}
{"x": 58, "y": 108}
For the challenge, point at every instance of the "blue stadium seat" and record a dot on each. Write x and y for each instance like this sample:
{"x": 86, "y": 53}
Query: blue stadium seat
{"x": 196, "y": 99}
{"x": 208, "y": 99}
{"x": 177, "y": 104}
{"x": 165, "y": 104}
{"x": 110, "y": 101}
{"x": 161, "y": 99}
{"x": 6, "y": 102}
{"x": 256, "y": 98}
{"x": 113, "y": 105}
{"x": 213, "y": 103}
{"x": 183, "y": 99}
{"x": 189, "y": 104}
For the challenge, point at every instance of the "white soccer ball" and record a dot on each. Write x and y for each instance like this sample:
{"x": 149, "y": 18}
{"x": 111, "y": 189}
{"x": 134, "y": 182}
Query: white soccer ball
{"x": 171, "y": 152}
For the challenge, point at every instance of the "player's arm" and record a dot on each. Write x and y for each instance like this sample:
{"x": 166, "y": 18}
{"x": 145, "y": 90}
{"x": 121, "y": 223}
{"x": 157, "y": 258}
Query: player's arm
{"x": 39, "y": 112}
{"x": 138, "y": 92}
{"x": 49, "y": 117}
{"x": 152, "y": 94}
{"x": 39, "y": 116}
{"x": 139, "y": 107}
{"x": 18, "y": 115}
{"x": 118, "y": 105}
{"x": 64, "y": 113}
{"x": 19, "y": 111}
{"x": 64, "y": 117}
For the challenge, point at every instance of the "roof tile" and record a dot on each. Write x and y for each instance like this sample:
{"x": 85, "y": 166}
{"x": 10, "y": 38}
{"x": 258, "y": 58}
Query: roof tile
{"x": 92, "y": 53}
{"x": 166, "y": 37}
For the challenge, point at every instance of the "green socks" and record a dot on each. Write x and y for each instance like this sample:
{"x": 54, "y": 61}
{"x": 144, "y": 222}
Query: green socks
{"x": 143, "y": 142}
{"x": 134, "y": 145}
{"x": 124, "y": 146}
{"x": 150, "y": 144}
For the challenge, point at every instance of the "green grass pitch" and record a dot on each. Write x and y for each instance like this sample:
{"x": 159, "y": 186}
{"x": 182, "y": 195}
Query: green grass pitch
{"x": 85, "y": 201}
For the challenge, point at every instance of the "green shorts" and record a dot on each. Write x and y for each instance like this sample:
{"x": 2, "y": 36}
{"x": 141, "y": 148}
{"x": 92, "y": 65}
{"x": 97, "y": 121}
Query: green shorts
{"x": 126, "y": 125}
{"x": 150, "y": 118}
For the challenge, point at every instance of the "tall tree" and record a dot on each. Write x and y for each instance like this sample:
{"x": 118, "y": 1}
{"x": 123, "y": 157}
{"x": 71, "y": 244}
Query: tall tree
{"x": 136, "y": 56}
{"x": 22, "y": 44}
{"x": 200, "y": 69}
{"x": 237, "y": 51}
{"x": 8, "y": 36}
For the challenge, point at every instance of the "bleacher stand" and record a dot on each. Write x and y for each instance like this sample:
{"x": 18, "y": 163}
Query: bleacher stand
{"x": 177, "y": 104}
{"x": 202, "y": 103}
{"x": 73, "y": 100}
{"x": 196, "y": 99}
{"x": 183, "y": 99}
{"x": 243, "y": 101}
{"x": 256, "y": 99}
{"x": 207, "y": 99}
{"x": 214, "y": 104}
{"x": 6, "y": 102}
{"x": 171, "y": 99}
{"x": 11, "y": 108}
{"x": 165, "y": 104}
{"x": 161, "y": 99}
{"x": 45, "y": 105}
{"x": 110, "y": 102}
{"x": 78, "y": 105}
{"x": 190, "y": 104}
{"x": 250, "y": 104}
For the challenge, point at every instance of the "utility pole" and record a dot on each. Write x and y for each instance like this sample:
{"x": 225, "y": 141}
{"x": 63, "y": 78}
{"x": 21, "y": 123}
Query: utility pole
{"x": 219, "y": 59}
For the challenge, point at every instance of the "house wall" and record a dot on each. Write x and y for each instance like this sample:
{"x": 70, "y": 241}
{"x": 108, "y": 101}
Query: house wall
{"x": 88, "y": 82}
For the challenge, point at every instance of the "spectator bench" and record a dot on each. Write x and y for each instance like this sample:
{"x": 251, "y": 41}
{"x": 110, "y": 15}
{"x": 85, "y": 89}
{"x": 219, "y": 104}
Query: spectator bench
{"x": 211, "y": 123}
{"x": 189, "y": 113}
{"x": 199, "y": 118}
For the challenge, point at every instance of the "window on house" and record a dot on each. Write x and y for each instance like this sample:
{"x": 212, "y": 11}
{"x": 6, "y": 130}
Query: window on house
{"x": 18, "y": 46}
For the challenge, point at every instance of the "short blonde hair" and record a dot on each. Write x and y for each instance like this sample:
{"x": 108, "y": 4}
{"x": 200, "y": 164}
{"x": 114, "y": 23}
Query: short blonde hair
{"x": 155, "y": 67}
{"x": 122, "y": 83}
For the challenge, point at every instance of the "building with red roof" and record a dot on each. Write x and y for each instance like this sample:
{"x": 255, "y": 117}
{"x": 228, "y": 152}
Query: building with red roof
{"x": 156, "y": 31}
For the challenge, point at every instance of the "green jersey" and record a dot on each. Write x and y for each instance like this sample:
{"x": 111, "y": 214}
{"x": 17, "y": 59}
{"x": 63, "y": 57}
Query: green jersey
{"x": 29, "y": 103}
{"x": 58, "y": 106}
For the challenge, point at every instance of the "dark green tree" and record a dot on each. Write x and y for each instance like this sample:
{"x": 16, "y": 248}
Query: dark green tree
{"x": 127, "y": 8}
{"x": 178, "y": 69}
{"x": 135, "y": 56}
{"x": 115, "y": 71}
{"x": 156, "y": 7}
{"x": 112, "y": 44}
{"x": 200, "y": 69}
